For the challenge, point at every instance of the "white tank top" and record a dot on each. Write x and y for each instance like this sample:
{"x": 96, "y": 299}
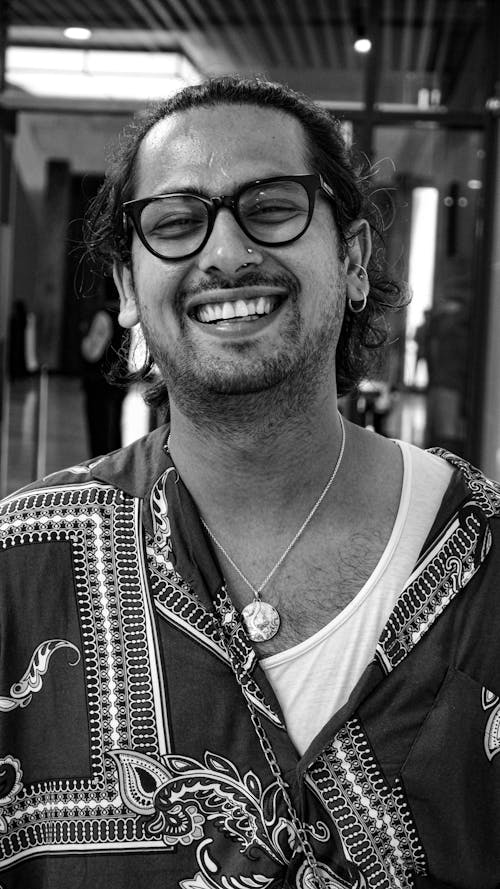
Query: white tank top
{"x": 302, "y": 676}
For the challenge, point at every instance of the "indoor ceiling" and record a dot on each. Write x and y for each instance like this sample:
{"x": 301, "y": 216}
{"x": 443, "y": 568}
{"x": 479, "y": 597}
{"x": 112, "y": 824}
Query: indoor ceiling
{"x": 438, "y": 44}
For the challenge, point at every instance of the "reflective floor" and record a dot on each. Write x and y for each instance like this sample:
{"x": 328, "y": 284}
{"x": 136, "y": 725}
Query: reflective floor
{"x": 41, "y": 430}
{"x": 44, "y": 426}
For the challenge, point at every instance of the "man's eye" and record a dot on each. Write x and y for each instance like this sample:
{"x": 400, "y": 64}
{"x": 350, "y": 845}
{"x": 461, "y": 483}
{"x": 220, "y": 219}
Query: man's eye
{"x": 174, "y": 226}
{"x": 272, "y": 212}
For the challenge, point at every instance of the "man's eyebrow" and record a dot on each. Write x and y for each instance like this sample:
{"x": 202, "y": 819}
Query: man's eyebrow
{"x": 182, "y": 189}
{"x": 204, "y": 192}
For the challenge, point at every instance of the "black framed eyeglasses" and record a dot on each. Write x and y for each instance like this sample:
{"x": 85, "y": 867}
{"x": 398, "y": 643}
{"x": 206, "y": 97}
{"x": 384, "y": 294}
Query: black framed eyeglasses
{"x": 271, "y": 212}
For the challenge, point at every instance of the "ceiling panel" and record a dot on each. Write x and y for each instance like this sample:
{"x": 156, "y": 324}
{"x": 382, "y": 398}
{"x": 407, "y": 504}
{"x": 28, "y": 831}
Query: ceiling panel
{"x": 299, "y": 39}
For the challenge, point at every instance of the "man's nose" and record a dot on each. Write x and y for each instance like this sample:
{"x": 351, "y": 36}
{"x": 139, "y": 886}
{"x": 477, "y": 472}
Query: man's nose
{"x": 228, "y": 248}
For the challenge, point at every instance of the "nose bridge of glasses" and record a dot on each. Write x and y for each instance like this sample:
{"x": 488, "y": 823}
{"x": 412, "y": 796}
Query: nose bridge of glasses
{"x": 226, "y": 202}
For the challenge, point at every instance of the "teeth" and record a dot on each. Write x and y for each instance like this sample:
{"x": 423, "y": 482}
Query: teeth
{"x": 211, "y": 312}
{"x": 242, "y": 309}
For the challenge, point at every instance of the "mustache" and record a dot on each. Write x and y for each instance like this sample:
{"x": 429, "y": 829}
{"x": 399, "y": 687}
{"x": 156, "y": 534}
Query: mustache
{"x": 247, "y": 279}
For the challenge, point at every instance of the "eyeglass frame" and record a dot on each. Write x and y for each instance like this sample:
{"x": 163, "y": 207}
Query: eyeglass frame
{"x": 311, "y": 182}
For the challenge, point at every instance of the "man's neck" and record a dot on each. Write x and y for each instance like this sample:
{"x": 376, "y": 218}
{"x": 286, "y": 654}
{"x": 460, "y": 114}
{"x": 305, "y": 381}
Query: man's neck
{"x": 255, "y": 496}
{"x": 276, "y": 465}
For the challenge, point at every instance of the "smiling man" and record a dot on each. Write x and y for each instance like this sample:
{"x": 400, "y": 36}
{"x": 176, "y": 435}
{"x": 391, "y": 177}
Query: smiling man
{"x": 238, "y": 318}
{"x": 257, "y": 648}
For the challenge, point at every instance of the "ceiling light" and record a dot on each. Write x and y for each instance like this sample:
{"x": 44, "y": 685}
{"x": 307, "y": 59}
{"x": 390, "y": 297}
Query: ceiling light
{"x": 77, "y": 33}
{"x": 85, "y": 72}
{"x": 362, "y": 44}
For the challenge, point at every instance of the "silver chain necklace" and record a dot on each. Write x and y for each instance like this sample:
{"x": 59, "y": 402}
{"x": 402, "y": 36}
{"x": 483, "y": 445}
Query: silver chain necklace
{"x": 261, "y": 619}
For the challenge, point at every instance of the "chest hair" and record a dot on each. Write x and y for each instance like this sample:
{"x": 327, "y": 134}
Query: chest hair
{"x": 314, "y": 585}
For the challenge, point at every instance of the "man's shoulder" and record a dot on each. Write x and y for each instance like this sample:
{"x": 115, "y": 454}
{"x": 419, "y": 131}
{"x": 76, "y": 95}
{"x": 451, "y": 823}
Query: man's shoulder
{"x": 468, "y": 480}
{"x": 71, "y": 477}
{"x": 61, "y": 496}
{"x": 131, "y": 469}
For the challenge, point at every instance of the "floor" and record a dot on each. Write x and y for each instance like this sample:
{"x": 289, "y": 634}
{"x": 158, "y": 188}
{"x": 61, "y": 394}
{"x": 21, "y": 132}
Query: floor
{"x": 43, "y": 426}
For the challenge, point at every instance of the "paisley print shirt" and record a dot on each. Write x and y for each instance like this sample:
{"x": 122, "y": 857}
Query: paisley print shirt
{"x": 141, "y": 746}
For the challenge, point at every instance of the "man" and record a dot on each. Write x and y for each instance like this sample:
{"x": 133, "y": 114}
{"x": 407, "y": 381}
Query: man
{"x": 259, "y": 647}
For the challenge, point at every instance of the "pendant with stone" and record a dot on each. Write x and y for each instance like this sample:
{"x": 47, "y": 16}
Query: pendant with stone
{"x": 261, "y": 620}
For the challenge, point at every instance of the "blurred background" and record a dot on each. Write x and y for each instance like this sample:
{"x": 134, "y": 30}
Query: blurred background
{"x": 416, "y": 84}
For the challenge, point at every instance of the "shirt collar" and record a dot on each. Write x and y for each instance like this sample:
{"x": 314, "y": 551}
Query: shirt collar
{"x": 135, "y": 468}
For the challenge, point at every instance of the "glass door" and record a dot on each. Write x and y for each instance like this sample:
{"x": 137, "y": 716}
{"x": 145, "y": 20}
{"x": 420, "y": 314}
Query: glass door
{"x": 428, "y": 183}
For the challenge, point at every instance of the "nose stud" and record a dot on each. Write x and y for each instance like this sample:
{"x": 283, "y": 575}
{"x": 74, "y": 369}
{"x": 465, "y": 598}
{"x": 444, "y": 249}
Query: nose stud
{"x": 246, "y": 264}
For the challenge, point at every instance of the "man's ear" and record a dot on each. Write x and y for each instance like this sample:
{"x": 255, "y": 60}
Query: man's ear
{"x": 359, "y": 249}
{"x": 122, "y": 276}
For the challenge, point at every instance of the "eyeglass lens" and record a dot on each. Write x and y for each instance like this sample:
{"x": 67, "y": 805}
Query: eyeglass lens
{"x": 276, "y": 212}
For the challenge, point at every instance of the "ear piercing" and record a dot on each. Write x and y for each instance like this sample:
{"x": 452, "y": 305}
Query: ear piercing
{"x": 358, "y": 305}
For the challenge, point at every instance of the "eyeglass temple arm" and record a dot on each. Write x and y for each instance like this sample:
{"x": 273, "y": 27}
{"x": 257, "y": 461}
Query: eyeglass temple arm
{"x": 326, "y": 187}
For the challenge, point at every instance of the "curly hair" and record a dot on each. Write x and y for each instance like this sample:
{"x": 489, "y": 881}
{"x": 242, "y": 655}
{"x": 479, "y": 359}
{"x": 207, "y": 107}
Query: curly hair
{"x": 108, "y": 239}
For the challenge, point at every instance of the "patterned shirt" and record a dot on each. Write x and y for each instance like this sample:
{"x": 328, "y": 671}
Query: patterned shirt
{"x": 141, "y": 746}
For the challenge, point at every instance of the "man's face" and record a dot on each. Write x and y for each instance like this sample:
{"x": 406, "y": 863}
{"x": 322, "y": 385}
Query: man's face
{"x": 301, "y": 286}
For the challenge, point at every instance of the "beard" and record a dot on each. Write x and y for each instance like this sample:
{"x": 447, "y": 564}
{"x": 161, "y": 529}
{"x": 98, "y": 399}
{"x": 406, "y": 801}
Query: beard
{"x": 247, "y": 391}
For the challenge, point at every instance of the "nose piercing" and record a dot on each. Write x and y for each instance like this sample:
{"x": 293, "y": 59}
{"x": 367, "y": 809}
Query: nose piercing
{"x": 246, "y": 264}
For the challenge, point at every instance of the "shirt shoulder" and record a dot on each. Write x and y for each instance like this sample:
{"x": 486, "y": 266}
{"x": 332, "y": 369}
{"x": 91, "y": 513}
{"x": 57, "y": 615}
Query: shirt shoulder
{"x": 132, "y": 469}
{"x": 469, "y": 481}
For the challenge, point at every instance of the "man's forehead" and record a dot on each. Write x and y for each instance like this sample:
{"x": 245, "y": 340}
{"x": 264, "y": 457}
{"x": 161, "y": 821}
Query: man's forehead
{"x": 223, "y": 141}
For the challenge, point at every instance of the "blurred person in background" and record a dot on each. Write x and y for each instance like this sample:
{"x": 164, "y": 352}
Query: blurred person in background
{"x": 99, "y": 347}
{"x": 446, "y": 346}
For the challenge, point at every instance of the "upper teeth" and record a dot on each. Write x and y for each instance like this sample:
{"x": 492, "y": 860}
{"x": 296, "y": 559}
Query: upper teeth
{"x": 241, "y": 308}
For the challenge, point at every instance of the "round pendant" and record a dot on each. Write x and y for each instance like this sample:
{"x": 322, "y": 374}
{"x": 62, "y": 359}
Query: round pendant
{"x": 261, "y": 620}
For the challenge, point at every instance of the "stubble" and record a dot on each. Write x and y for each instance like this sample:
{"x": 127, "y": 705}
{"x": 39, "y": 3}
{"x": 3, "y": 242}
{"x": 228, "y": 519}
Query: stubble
{"x": 248, "y": 393}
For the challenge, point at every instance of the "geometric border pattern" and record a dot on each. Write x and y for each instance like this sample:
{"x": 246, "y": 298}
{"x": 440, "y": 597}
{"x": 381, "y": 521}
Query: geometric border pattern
{"x": 126, "y": 700}
{"x": 485, "y": 491}
{"x": 373, "y": 820}
{"x": 223, "y": 632}
{"x": 125, "y": 696}
{"x": 443, "y": 571}
{"x": 179, "y": 606}
{"x": 176, "y": 603}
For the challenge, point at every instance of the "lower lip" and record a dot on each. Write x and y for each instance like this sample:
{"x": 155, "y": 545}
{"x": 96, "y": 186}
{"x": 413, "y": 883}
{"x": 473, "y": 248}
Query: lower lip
{"x": 239, "y": 329}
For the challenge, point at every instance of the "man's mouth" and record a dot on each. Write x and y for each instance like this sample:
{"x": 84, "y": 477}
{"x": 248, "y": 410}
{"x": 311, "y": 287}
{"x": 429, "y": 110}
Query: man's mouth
{"x": 237, "y": 310}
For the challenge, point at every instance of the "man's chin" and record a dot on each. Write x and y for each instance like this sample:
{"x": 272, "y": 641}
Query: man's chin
{"x": 210, "y": 387}
{"x": 208, "y": 378}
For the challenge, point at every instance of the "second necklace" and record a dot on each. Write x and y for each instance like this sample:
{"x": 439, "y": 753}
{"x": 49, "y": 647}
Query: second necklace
{"x": 261, "y": 619}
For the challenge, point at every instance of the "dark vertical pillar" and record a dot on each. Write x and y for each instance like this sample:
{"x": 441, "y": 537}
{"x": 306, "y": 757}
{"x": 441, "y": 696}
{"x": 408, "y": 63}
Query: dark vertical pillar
{"x": 7, "y": 129}
{"x": 50, "y": 292}
{"x": 373, "y": 72}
